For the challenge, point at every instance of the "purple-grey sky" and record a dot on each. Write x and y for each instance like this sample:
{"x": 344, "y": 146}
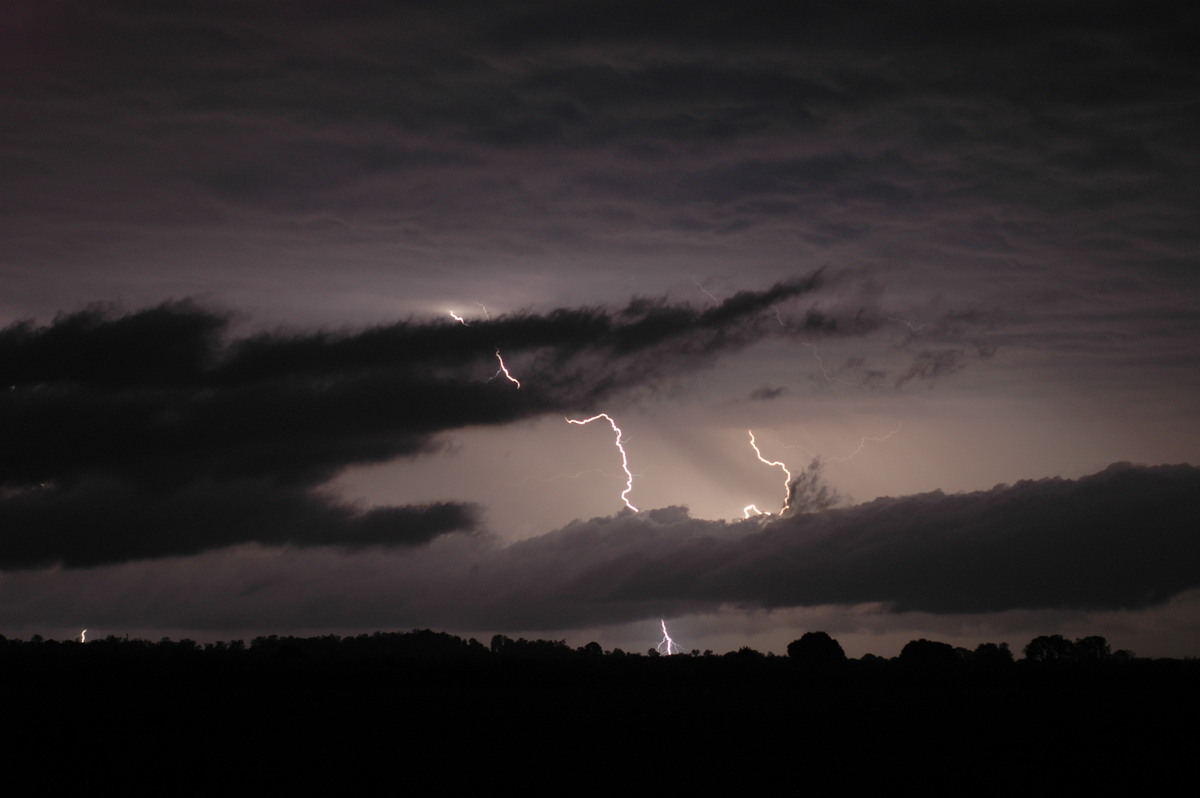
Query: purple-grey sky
{"x": 942, "y": 259}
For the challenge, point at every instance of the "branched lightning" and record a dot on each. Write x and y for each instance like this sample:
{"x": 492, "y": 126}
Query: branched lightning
{"x": 667, "y": 645}
{"x": 620, "y": 448}
{"x": 746, "y": 511}
{"x": 862, "y": 444}
{"x": 817, "y": 354}
{"x": 504, "y": 370}
{"x": 787, "y": 482}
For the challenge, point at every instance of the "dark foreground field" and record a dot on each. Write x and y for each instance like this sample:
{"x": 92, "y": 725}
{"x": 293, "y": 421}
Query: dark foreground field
{"x": 433, "y": 714}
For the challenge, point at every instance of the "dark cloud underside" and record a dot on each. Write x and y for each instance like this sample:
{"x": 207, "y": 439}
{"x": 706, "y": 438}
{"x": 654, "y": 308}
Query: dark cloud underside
{"x": 1123, "y": 538}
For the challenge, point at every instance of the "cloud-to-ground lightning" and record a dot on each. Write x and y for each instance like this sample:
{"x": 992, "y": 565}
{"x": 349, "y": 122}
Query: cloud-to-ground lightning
{"x": 458, "y": 318}
{"x": 620, "y": 448}
{"x": 504, "y": 370}
{"x": 483, "y": 307}
{"x": 749, "y": 507}
{"x": 667, "y": 645}
{"x": 862, "y": 444}
{"x": 787, "y": 482}
{"x": 83, "y": 636}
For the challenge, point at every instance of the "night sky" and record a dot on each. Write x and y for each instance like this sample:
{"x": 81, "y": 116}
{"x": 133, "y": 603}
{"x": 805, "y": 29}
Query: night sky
{"x": 942, "y": 258}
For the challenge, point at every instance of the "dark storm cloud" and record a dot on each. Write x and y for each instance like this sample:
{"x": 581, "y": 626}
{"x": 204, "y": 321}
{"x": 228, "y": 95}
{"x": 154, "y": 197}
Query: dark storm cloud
{"x": 98, "y": 521}
{"x": 766, "y": 393}
{"x": 294, "y": 105}
{"x": 156, "y": 395}
{"x": 1123, "y": 538}
{"x": 150, "y": 433}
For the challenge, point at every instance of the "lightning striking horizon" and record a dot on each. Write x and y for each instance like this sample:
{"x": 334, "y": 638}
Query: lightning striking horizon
{"x": 620, "y": 448}
{"x": 787, "y": 482}
{"x": 667, "y": 646}
{"x": 83, "y": 636}
{"x": 458, "y": 318}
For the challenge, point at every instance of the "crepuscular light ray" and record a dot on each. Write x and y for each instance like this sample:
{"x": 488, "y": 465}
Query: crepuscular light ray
{"x": 862, "y": 444}
{"x": 667, "y": 645}
{"x": 787, "y": 481}
{"x": 620, "y": 448}
{"x": 504, "y": 370}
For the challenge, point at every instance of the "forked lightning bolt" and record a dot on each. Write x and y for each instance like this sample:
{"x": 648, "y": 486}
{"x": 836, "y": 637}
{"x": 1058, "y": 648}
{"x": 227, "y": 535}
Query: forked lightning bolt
{"x": 504, "y": 370}
{"x": 620, "y": 448}
{"x": 787, "y": 482}
{"x": 667, "y": 645}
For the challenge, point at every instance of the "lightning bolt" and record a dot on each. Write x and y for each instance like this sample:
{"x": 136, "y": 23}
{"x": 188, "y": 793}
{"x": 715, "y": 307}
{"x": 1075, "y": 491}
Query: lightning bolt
{"x": 746, "y": 511}
{"x": 458, "y": 318}
{"x": 667, "y": 645}
{"x": 705, "y": 291}
{"x": 620, "y": 448}
{"x": 504, "y": 370}
{"x": 483, "y": 307}
{"x": 787, "y": 482}
{"x": 817, "y": 354}
{"x": 862, "y": 444}
{"x": 83, "y": 636}
{"x": 907, "y": 324}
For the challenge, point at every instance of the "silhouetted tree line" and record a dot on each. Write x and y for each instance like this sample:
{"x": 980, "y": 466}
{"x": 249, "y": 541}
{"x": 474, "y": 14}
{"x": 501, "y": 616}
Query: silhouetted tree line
{"x": 433, "y": 701}
{"x": 813, "y": 649}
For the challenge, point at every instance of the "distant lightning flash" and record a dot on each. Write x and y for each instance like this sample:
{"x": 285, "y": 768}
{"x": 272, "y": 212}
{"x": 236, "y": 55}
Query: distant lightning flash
{"x": 746, "y": 511}
{"x": 787, "y": 482}
{"x": 863, "y": 443}
{"x": 504, "y": 370}
{"x": 817, "y": 354}
{"x": 458, "y": 318}
{"x": 907, "y": 324}
{"x": 83, "y": 636}
{"x": 667, "y": 645}
{"x": 620, "y": 448}
{"x": 705, "y": 291}
{"x": 483, "y": 307}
